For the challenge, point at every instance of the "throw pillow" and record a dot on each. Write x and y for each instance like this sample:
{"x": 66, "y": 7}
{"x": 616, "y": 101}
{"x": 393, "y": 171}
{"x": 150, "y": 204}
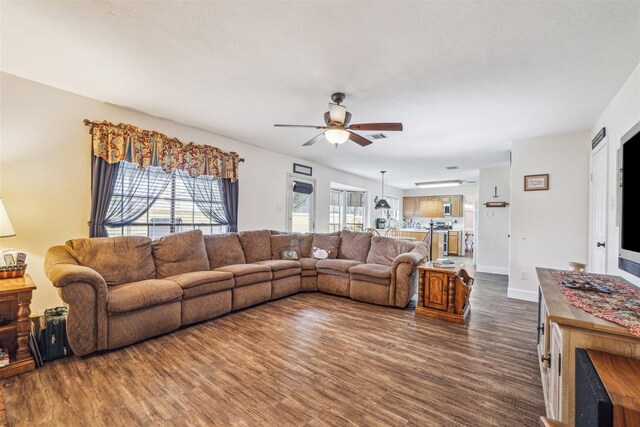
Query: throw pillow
{"x": 290, "y": 255}
{"x": 328, "y": 243}
{"x": 318, "y": 253}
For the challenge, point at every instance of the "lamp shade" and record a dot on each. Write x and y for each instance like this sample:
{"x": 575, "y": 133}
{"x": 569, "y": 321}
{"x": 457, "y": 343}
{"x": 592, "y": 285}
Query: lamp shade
{"x": 6, "y": 228}
{"x": 382, "y": 204}
{"x": 432, "y": 209}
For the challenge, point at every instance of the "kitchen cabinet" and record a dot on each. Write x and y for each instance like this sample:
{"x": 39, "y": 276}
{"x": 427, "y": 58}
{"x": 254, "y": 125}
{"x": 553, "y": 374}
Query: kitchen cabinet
{"x": 408, "y": 207}
{"x": 411, "y": 205}
{"x": 454, "y": 242}
{"x": 456, "y": 205}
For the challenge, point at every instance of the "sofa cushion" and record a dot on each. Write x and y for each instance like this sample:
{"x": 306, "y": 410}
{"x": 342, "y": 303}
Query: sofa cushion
{"x": 308, "y": 263}
{"x": 248, "y": 274}
{"x": 327, "y": 243}
{"x": 142, "y": 294}
{"x": 180, "y": 253}
{"x": 372, "y": 270}
{"x": 287, "y": 272}
{"x": 279, "y": 264}
{"x": 256, "y": 245}
{"x": 223, "y": 249}
{"x": 335, "y": 265}
{"x": 305, "y": 241}
{"x": 385, "y": 249}
{"x": 284, "y": 242}
{"x": 199, "y": 283}
{"x": 354, "y": 246}
{"x": 117, "y": 259}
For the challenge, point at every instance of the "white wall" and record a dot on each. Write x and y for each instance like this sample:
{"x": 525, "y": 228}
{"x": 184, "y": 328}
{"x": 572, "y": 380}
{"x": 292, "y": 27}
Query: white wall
{"x": 548, "y": 228}
{"x": 620, "y": 115}
{"x": 492, "y": 241}
{"x": 45, "y": 171}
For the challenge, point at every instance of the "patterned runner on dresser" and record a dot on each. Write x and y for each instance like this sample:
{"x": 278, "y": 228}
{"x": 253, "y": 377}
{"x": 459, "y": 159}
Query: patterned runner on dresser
{"x": 621, "y": 306}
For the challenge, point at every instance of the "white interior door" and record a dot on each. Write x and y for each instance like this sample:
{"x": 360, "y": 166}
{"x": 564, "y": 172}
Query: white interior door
{"x": 598, "y": 211}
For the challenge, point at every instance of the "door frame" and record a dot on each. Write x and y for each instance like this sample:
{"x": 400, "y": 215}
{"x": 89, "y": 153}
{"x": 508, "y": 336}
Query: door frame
{"x": 288, "y": 214}
{"x": 604, "y": 145}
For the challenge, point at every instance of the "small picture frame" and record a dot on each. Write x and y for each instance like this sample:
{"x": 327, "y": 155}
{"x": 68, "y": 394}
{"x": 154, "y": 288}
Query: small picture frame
{"x": 302, "y": 169}
{"x": 536, "y": 182}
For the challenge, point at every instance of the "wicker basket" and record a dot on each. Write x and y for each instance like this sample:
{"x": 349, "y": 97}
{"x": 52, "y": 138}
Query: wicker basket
{"x": 13, "y": 271}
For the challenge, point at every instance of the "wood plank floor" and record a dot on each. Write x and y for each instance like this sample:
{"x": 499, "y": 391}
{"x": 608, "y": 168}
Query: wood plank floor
{"x": 310, "y": 359}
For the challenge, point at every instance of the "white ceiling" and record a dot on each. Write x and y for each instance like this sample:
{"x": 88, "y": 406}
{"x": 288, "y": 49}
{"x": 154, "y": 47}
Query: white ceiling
{"x": 465, "y": 78}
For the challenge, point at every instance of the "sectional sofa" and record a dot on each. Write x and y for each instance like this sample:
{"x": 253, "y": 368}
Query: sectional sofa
{"x": 121, "y": 290}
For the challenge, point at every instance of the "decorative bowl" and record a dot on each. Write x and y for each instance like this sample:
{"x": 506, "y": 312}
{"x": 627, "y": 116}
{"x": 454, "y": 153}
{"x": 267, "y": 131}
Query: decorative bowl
{"x": 577, "y": 266}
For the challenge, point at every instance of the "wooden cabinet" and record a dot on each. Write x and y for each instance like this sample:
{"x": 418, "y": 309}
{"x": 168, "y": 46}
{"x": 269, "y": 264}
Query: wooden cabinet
{"x": 454, "y": 243}
{"x": 15, "y": 299}
{"x": 443, "y": 293}
{"x": 456, "y": 206}
{"x": 562, "y": 328}
{"x": 411, "y": 205}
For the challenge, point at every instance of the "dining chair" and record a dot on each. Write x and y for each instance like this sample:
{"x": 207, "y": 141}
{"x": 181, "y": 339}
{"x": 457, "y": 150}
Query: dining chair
{"x": 393, "y": 232}
{"x": 372, "y": 231}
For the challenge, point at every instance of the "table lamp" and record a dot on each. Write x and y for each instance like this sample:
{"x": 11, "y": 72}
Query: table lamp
{"x": 6, "y": 228}
{"x": 431, "y": 209}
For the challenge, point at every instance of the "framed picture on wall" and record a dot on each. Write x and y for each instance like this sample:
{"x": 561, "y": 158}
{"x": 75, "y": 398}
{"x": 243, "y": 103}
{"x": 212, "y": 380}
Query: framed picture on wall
{"x": 536, "y": 182}
{"x": 302, "y": 169}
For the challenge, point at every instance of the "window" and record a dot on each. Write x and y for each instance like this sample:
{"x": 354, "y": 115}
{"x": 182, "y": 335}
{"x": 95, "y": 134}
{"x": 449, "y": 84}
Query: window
{"x": 394, "y": 212}
{"x": 150, "y": 202}
{"x": 347, "y": 210}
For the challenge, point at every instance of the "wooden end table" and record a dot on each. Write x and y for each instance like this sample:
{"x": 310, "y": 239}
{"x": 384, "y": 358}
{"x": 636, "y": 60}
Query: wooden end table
{"x": 15, "y": 301}
{"x": 443, "y": 292}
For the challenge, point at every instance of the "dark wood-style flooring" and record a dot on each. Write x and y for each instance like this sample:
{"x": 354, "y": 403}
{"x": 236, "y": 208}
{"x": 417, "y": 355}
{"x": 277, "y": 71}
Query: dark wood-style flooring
{"x": 310, "y": 359}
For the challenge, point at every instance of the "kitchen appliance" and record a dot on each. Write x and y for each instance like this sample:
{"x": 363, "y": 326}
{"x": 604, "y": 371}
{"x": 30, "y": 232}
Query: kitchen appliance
{"x": 381, "y": 223}
{"x": 447, "y": 209}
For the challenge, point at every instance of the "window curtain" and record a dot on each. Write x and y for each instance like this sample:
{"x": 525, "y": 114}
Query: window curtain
{"x": 134, "y": 192}
{"x": 103, "y": 180}
{"x": 206, "y": 193}
{"x": 230, "y": 201}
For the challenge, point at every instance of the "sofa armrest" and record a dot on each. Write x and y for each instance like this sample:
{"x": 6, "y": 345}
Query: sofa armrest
{"x": 415, "y": 257}
{"x": 86, "y": 293}
{"x": 403, "y": 280}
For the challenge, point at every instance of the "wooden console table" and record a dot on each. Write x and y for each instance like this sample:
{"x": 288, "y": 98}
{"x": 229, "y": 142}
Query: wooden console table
{"x": 444, "y": 292}
{"x": 562, "y": 328}
{"x": 15, "y": 299}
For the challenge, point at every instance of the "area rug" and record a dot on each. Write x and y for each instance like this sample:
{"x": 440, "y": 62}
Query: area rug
{"x": 621, "y": 306}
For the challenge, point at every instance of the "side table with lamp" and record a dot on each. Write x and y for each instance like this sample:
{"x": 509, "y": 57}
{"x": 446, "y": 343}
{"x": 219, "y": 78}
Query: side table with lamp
{"x": 16, "y": 289}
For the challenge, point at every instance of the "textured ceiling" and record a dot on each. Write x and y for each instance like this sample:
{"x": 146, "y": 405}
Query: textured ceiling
{"x": 465, "y": 78}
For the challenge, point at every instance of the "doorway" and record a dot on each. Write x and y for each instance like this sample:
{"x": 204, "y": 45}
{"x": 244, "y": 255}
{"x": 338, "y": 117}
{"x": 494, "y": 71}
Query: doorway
{"x": 598, "y": 210}
{"x": 301, "y": 204}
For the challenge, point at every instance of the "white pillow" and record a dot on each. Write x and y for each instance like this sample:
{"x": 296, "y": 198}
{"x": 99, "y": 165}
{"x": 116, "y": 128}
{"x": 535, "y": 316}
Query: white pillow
{"x": 318, "y": 253}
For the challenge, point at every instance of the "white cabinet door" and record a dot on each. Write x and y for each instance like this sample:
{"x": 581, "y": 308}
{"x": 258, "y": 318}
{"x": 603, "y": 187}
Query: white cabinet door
{"x": 555, "y": 372}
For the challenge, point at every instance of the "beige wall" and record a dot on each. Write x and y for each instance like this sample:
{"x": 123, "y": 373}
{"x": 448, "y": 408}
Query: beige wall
{"x": 45, "y": 171}
{"x": 548, "y": 228}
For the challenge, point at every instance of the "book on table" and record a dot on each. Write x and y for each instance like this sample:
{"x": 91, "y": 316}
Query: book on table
{"x": 443, "y": 262}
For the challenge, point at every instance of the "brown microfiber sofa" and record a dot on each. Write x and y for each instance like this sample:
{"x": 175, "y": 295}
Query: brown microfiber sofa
{"x": 121, "y": 290}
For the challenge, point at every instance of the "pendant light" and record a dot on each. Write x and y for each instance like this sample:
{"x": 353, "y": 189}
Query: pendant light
{"x": 382, "y": 203}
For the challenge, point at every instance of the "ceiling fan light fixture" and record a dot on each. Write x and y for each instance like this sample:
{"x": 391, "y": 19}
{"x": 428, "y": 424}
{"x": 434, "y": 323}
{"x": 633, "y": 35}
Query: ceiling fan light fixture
{"x": 336, "y": 135}
{"x": 439, "y": 184}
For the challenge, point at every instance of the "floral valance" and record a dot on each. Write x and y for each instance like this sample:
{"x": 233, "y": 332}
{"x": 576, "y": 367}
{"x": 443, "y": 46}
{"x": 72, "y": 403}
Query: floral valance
{"x": 115, "y": 143}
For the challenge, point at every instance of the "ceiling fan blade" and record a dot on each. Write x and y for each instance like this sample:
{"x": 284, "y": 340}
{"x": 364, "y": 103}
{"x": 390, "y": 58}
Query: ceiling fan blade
{"x": 300, "y": 126}
{"x": 314, "y": 140}
{"x": 358, "y": 139}
{"x": 337, "y": 113}
{"x": 377, "y": 126}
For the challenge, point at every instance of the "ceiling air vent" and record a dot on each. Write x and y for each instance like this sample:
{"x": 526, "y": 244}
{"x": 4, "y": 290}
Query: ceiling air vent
{"x": 378, "y": 136}
{"x": 452, "y": 167}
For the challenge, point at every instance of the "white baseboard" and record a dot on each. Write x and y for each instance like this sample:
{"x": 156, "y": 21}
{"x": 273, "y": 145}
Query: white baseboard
{"x": 493, "y": 270}
{"x": 523, "y": 295}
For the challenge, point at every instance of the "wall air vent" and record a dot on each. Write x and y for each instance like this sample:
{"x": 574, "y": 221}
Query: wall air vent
{"x": 452, "y": 167}
{"x": 378, "y": 136}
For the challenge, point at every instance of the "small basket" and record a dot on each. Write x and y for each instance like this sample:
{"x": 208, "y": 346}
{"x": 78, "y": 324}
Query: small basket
{"x": 13, "y": 271}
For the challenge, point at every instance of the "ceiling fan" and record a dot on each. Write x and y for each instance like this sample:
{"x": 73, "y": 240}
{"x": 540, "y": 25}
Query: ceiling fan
{"x": 338, "y": 130}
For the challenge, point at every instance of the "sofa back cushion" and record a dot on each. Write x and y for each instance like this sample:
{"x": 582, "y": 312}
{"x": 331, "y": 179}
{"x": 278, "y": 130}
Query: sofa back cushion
{"x": 385, "y": 249}
{"x": 354, "y": 246}
{"x": 327, "y": 242}
{"x": 180, "y": 253}
{"x": 223, "y": 249}
{"x": 305, "y": 241}
{"x": 117, "y": 259}
{"x": 284, "y": 242}
{"x": 256, "y": 245}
